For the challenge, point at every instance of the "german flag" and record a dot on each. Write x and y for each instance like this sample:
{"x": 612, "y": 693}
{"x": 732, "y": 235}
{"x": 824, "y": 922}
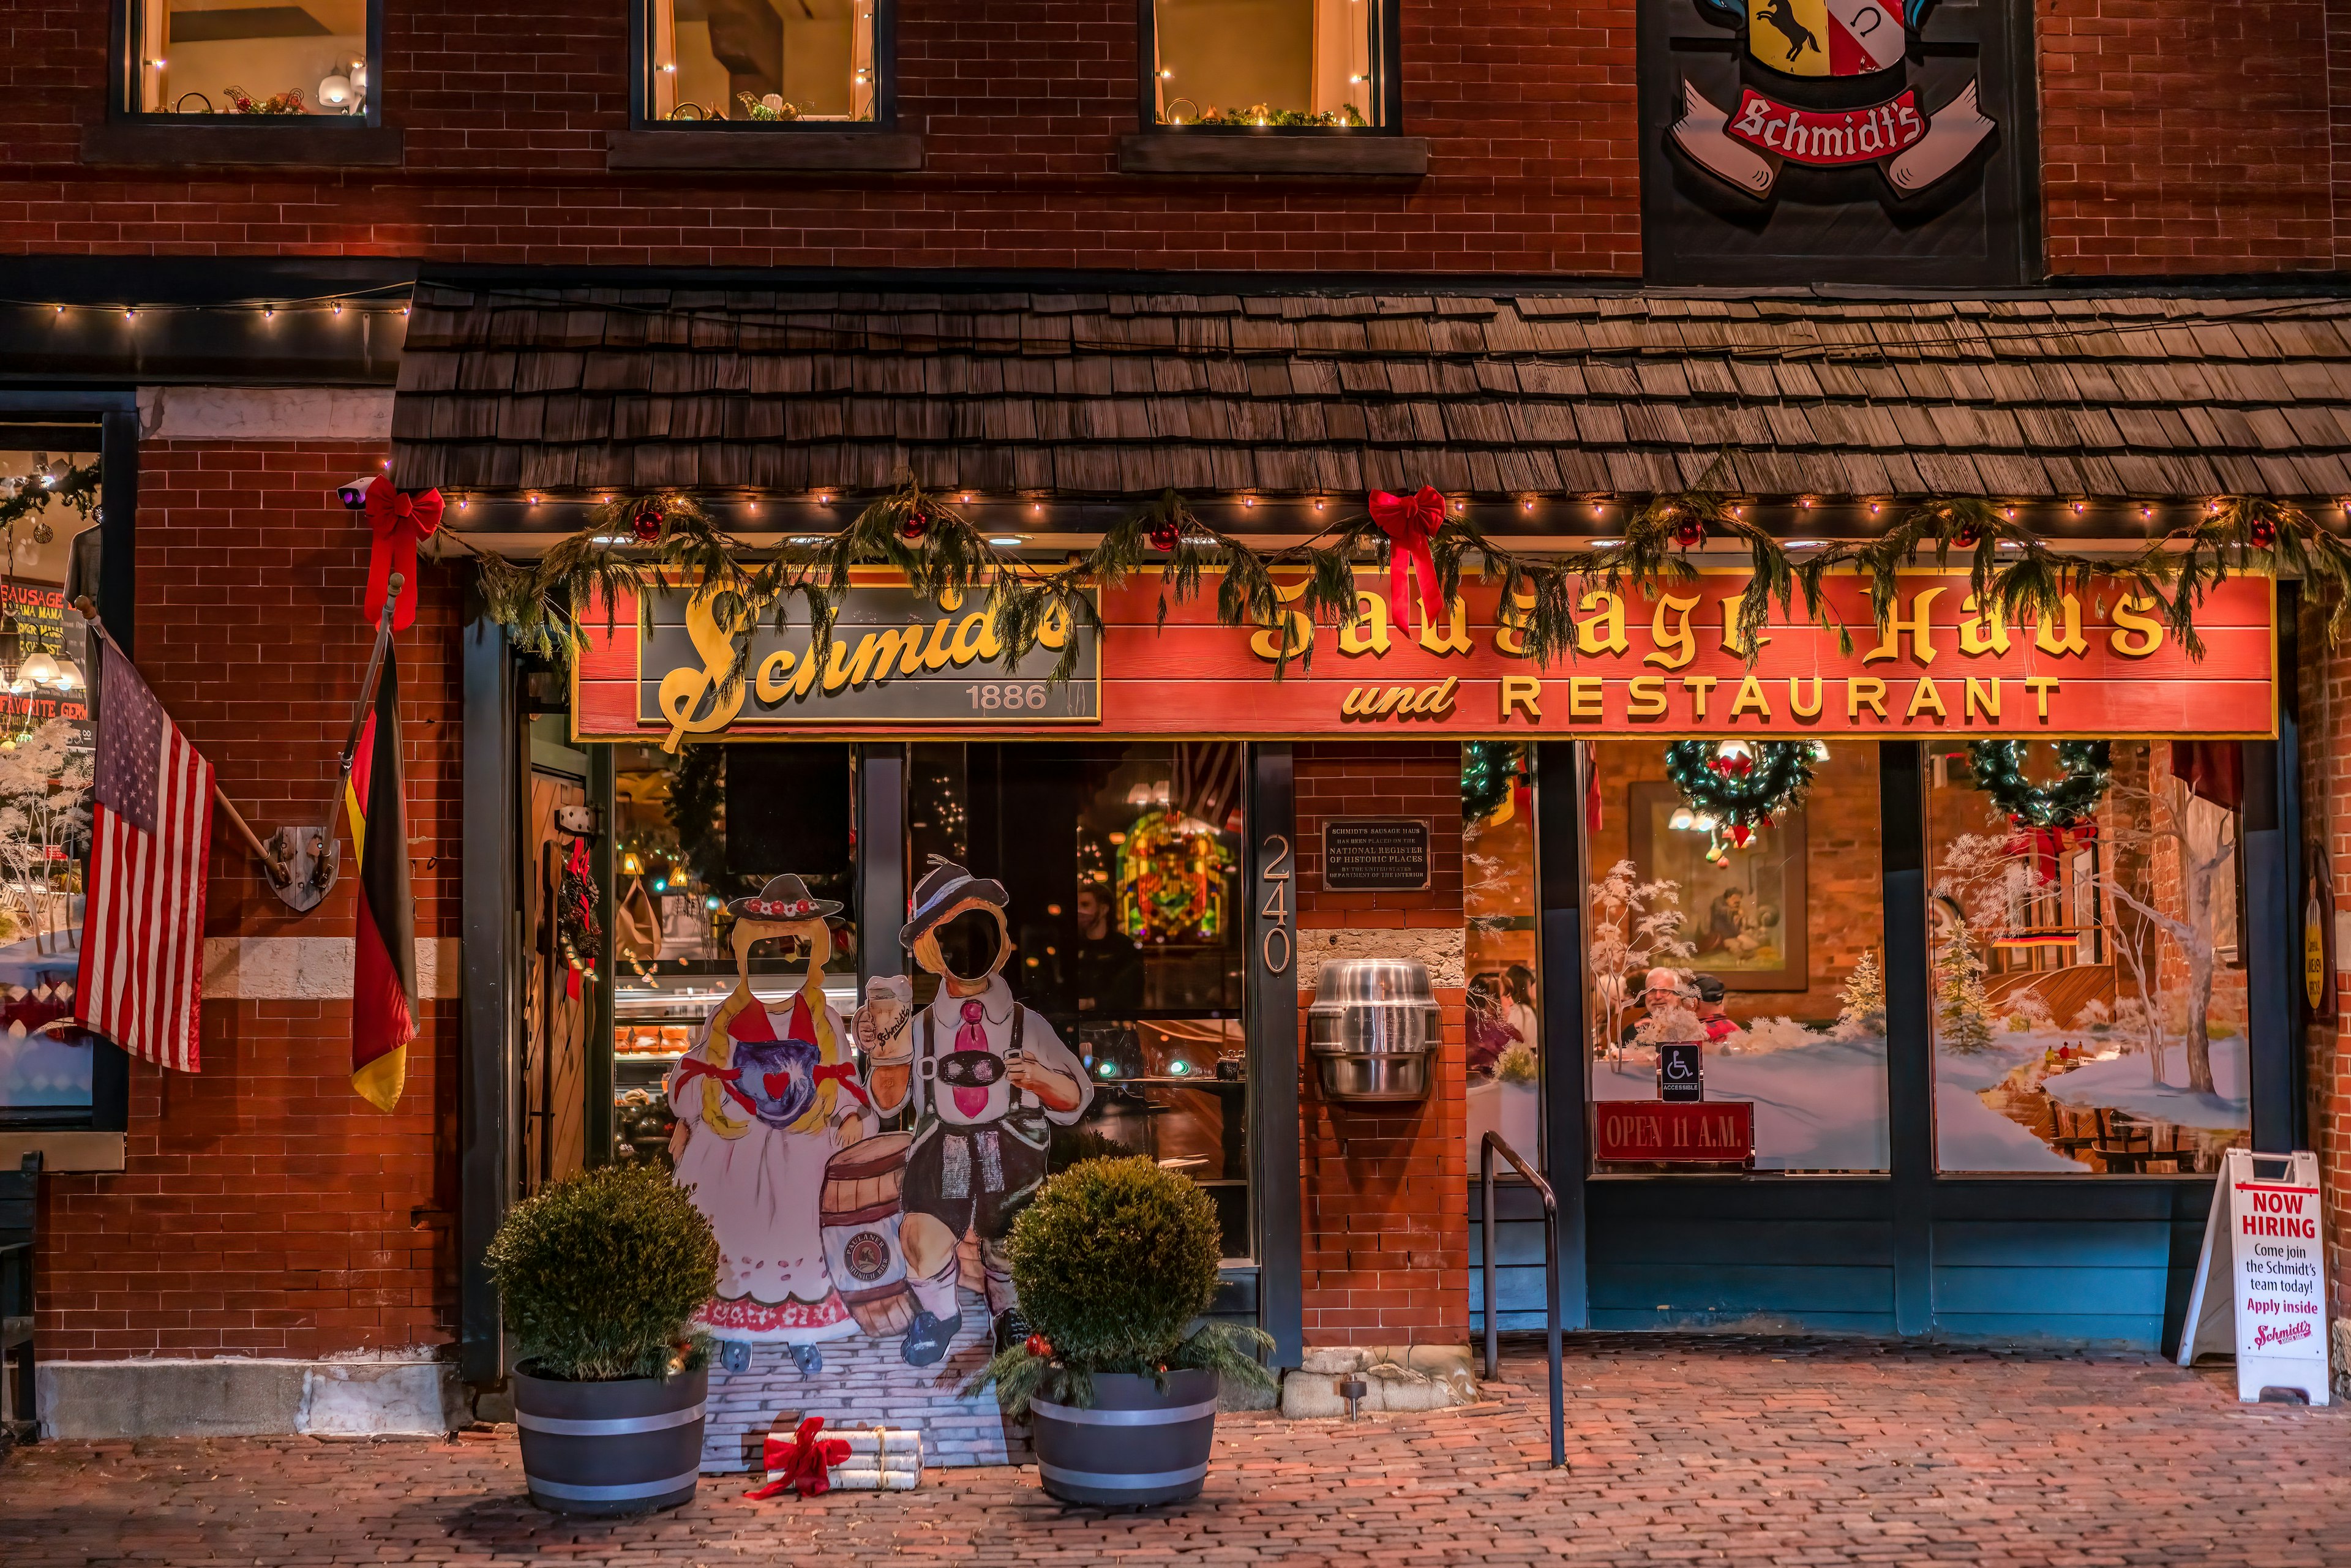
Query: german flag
{"x": 383, "y": 992}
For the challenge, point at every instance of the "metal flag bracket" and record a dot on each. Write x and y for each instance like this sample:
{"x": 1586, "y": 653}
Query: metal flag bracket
{"x": 298, "y": 865}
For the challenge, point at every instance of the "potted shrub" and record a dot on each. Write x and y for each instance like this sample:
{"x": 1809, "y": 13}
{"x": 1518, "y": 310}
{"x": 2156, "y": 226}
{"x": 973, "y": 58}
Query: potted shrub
{"x": 599, "y": 1274}
{"x": 1115, "y": 1261}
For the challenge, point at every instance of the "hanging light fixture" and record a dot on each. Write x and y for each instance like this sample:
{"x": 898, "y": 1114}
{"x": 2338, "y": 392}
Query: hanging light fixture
{"x": 40, "y": 669}
{"x": 12, "y": 649}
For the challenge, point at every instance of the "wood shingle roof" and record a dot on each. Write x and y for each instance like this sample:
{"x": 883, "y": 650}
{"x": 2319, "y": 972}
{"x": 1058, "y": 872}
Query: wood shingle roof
{"x": 1102, "y": 395}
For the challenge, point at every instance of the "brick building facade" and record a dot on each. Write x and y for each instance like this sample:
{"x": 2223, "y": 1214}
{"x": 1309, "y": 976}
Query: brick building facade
{"x": 264, "y": 1211}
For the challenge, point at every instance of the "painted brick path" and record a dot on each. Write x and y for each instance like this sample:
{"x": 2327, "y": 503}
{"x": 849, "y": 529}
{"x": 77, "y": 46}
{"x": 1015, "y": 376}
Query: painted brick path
{"x": 1746, "y": 1451}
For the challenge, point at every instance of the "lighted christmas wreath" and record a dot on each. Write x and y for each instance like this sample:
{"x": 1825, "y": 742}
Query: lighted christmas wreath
{"x": 1490, "y": 768}
{"x": 1998, "y": 770}
{"x": 1742, "y": 785}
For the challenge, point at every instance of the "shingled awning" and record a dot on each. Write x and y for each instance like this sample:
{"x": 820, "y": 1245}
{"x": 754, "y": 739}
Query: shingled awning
{"x": 1106, "y": 395}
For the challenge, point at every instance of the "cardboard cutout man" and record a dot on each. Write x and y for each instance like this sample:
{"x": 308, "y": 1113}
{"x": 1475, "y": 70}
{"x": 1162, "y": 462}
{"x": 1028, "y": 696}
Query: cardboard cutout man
{"x": 762, "y": 1102}
{"x": 988, "y": 1079}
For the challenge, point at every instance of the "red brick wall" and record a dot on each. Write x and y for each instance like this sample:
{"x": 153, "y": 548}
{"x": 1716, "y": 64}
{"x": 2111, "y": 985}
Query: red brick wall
{"x": 1385, "y": 1227}
{"x": 2325, "y": 689}
{"x": 265, "y": 1209}
{"x": 2187, "y": 137}
{"x": 506, "y": 104}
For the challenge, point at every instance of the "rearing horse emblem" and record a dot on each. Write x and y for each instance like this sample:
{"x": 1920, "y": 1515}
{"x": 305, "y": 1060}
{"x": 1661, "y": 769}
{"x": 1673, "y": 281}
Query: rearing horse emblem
{"x": 1826, "y": 37}
{"x": 1781, "y": 15}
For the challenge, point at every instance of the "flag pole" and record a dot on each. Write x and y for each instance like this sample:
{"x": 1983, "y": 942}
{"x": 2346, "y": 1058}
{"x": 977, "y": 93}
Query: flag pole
{"x": 366, "y": 689}
{"x": 277, "y": 873}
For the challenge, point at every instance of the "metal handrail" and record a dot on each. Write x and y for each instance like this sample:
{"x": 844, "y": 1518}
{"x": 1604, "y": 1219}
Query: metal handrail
{"x": 1493, "y": 1145}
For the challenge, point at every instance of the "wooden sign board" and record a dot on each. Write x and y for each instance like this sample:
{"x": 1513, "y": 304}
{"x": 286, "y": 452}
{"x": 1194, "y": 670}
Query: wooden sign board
{"x": 1667, "y": 666}
{"x": 1375, "y": 855}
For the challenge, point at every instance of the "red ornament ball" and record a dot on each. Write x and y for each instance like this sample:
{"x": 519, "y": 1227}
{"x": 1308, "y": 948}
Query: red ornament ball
{"x": 647, "y": 524}
{"x": 1690, "y": 535}
{"x": 2261, "y": 533}
{"x": 1968, "y": 536}
{"x": 1165, "y": 537}
{"x": 1038, "y": 1345}
{"x": 914, "y": 526}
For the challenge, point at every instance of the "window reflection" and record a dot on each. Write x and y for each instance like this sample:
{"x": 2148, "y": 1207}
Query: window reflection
{"x": 1266, "y": 62}
{"x": 762, "y": 61}
{"x": 220, "y": 57}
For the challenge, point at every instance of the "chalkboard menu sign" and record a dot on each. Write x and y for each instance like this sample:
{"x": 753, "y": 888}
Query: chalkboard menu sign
{"x": 1375, "y": 855}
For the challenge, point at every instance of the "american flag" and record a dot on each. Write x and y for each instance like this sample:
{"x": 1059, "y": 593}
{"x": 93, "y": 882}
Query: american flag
{"x": 143, "y": 946}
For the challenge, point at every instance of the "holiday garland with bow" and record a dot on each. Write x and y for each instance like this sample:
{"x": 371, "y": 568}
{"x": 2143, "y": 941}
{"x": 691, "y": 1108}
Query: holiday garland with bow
{"x": 633, "y": 544}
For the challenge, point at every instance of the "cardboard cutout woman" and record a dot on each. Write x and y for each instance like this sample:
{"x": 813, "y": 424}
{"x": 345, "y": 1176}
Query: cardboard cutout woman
{"x": 988, "y": 1079}
{"x": 762, "y": 1103}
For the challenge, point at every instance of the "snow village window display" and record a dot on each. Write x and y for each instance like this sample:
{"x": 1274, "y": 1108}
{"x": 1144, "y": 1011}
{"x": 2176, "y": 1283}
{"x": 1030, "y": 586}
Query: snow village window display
{"x": 1498, "y": 958}
{"x": 1738, "y": 907}
{"x": 2089, "y": 999}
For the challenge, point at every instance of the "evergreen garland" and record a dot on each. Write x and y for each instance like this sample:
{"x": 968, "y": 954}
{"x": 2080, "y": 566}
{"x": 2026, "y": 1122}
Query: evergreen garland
{"x": 633, "y": 543}
{"x": 1742, "y": 798}
{"x": 1490, "y": 768}
{"x": 1998, "y": 770}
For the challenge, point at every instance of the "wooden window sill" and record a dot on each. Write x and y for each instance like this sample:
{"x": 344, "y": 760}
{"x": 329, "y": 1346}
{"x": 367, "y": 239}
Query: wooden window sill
{"x": 279, "y": 146}
{"x": 1180, "y": 151}
{"x": 765, "y": 152}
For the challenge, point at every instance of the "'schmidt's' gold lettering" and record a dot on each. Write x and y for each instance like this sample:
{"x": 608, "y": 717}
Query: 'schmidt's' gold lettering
{"x": 771, "y": 686}
{"x": 2137, "y": 633}
{"x": 683, "y": 689}
{"x": 1918, "y": 623}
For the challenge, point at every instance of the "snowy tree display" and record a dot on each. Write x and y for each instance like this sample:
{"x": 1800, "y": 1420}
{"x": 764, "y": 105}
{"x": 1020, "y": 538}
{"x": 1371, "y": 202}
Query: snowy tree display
{"x": 1861, "y": 1012}
{"x": 1962, "y": 1016}
{"x": 1635, "y": 925}
{"x": 44, "y": 812}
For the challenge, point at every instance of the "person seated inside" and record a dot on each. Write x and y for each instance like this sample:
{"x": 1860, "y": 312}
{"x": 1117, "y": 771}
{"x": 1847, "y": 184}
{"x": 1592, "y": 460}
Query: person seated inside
{"x": 1718, "y": 1024}
{"x": 1661, "y": 992}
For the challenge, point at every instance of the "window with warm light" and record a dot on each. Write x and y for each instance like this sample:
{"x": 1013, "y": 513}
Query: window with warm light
{"x": 1273, "y": 64}
{"x": 270, "y": 61}
{"x": 763, "y": 62}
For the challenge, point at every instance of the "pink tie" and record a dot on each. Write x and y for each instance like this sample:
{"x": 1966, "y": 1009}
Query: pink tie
{"x": 971, "y": 1102}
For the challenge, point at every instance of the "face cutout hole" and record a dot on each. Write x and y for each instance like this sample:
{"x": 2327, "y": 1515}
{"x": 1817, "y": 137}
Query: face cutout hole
{"x": 970, "y": 944}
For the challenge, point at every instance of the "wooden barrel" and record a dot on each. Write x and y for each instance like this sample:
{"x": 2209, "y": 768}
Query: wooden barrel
{"x": 625, "y": 1446}
{"x": 864, "y": 1200}
{"x": 1134, "y": 1445}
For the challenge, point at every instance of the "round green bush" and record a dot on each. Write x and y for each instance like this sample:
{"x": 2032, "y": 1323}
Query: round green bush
{"x": 599, "y": 1272}
{"x": 1112, "y": 1259}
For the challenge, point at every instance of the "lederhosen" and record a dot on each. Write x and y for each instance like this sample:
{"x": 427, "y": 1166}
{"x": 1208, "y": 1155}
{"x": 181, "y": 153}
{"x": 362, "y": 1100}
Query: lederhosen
{"x": 977, "y": 1172}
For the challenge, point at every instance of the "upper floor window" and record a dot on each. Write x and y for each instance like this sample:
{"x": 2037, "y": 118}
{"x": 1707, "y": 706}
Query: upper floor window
{"x": 222, "y": 57}
{"x": 766, "y": 62}
{"x": 1292, "y": 64}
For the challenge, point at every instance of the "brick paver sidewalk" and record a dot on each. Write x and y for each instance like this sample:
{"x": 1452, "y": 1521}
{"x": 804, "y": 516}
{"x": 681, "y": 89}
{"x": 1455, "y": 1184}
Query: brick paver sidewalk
{"x": 1746, "y": 1451}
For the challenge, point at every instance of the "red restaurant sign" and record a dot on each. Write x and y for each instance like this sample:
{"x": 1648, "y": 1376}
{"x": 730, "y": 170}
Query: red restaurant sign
{"x": 1714, "y": 1131}
{"x": 1667, "y": 664}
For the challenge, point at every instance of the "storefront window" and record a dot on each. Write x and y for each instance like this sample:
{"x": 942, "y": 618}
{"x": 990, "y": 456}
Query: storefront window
{"x": 1120, "y": 867}
{"x": 1737, "y": 927}
{"x": 1248, "y": 63}
{"x": 47, "y": 764}
{"x": 762, "y": 63}
{"x": 1502, "y": 1021}
{"x": 695, "y": 834}
{"x": 198, "y": 57}
{"x": 2088, "y": 995}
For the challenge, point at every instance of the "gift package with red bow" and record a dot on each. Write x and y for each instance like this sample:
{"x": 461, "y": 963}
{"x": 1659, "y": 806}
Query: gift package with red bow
{"x": 855, "y": 1458}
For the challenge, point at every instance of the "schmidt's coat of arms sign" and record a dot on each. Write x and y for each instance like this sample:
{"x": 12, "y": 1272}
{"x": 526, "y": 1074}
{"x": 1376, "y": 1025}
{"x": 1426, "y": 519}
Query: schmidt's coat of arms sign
{"x": 1876, "y": 118}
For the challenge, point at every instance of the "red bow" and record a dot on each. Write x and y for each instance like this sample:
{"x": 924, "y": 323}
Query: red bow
{"x": 801, "y": 1461}
{"x": 1408, "y": 522}
{"x": 845, "y": 1075}
{"x": 399, "y": 522}
{"x": 2045, "y": 844}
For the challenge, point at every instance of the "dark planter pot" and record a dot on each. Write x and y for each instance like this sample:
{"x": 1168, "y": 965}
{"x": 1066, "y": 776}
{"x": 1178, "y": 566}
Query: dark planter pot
{"x": 1135, "y": 1445}
{"x": 629, "y": 1447}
